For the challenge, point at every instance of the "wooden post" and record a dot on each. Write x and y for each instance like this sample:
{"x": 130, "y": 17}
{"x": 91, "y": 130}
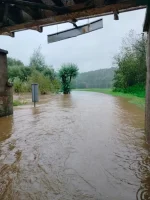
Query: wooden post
{"x": 147, "y": 105}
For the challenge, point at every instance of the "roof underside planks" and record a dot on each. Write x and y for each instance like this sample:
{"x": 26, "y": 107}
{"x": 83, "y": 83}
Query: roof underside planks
{"x": 16, "y": 15}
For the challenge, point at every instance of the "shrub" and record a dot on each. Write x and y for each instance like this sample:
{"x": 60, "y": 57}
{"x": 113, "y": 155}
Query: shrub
{"x": 45, "y": 84}
{"x": 17, "y": 85}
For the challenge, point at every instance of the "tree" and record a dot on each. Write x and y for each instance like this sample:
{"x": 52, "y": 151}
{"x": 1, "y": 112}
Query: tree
{"x": 14, "y": 62}
{"x": 131, "y": 63}
{"x": 37, "y": 60}
{"x": 21, "y": 72}
{"x": 66, "y": 74}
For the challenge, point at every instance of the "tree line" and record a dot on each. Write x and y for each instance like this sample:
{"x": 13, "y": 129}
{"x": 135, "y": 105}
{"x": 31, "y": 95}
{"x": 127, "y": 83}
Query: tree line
{"x": 39, "y": 72}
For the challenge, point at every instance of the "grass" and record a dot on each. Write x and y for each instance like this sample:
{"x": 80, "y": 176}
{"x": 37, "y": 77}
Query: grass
{"x": 18, "y": 103}
{"x": 139, "y": 101}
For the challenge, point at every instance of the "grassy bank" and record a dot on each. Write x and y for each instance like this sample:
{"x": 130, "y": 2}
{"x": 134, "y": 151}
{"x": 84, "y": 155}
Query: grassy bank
{"x": 139, "y": 101}
{"x": 19, "y": 102}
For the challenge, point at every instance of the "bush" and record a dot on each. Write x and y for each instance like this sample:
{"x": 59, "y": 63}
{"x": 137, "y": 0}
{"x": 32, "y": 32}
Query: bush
{"x": 56, "y": 85}
{"x": 45, "y": 84}
{"x": 20, "y": 86}
{"x": 18, "y": 71}
{"x": 138, "y": 90}
{"x": 17, "y": 85}
{"x": 26, "y": 87}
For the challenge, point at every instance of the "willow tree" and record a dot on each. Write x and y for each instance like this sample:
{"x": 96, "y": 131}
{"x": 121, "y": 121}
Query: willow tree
{"x": 66, "y": 74}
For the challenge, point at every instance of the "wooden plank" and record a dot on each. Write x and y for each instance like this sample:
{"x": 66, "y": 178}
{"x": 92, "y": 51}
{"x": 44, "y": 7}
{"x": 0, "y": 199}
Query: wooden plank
{"x": 147, "y": 20}
{"x": 51, "y": 20}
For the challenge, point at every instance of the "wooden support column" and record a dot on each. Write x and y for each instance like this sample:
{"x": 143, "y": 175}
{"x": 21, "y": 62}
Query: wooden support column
{"x": 147, "y": 103}
{"x": 6, "y": 94}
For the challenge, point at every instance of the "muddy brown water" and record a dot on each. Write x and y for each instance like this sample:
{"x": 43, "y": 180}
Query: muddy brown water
{"x": 83, "y": 146}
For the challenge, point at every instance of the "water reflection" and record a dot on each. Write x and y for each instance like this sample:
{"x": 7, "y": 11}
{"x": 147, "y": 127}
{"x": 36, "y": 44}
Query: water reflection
{"x": 66, "y": 101}
{"x": 36, "y": 111}
{"x": 6, "y": 124}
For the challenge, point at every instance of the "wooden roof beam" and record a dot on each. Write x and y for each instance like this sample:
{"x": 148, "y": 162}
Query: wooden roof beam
{"x": 34, "y": 13}
{"x": 95, "y": 12}
{"x": 147, "y": 20}
{"x": 37, "y": 5}
{"x": 11, "y": 34}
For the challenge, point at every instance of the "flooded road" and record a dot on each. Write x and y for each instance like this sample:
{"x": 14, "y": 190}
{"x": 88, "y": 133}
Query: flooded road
{"x": 83, "y": 146}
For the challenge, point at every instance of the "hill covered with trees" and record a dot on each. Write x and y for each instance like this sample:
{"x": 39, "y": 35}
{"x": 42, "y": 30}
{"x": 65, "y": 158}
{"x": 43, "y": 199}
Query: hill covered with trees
{"x": 102, "y": 78}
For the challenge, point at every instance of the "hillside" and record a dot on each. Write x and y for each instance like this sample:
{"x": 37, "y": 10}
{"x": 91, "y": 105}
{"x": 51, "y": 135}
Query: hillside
{"x": 101, "y": 78}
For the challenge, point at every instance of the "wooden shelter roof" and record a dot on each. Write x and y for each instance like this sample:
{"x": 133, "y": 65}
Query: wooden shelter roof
{"x": 18, "y": 15}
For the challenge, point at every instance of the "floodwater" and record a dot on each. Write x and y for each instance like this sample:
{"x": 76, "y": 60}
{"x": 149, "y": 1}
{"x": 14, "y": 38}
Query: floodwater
{"x": 83, "y": 146}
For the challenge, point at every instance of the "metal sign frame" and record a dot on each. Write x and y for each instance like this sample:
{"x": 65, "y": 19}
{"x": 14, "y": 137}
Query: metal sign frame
{"x": 74, "y": 32}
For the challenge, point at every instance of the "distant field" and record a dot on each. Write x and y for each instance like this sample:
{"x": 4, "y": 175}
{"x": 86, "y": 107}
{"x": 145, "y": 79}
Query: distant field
{"x": 139, "y": 101}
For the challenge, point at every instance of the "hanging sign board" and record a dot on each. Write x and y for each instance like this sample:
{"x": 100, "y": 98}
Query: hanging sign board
{"x": 74, "y": 32}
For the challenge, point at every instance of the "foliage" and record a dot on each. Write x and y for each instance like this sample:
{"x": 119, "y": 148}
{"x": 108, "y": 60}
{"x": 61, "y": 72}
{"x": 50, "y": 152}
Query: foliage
{"x": 137, "y": 90}
{"x": 44, "y": 82}
{"x": 14, "y": 62}
{"x": 56, "y": 85}
{"x": 17, "y": 85}
{"x": 101, "y": 78}
{"x": 66, "y": 74}
{"x": 49, "y": 72}
{"x": 38, "y": 72}
{"x": 37, "y": 60}
{"x": 19, "y": 71}
{"x": 18, "y": 103}
{"x": 20, "y": 86}
{"x": 130, "y": 75}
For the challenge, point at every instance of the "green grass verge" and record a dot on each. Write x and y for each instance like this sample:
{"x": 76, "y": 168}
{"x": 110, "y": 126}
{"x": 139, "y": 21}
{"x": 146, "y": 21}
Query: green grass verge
{"x": 18, "y": 103}
{"x": 139, "y": 101}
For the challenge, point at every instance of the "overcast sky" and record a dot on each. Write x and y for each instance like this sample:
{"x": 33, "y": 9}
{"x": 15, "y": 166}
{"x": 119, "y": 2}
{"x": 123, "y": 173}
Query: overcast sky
{"x": 90, "y": 51}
